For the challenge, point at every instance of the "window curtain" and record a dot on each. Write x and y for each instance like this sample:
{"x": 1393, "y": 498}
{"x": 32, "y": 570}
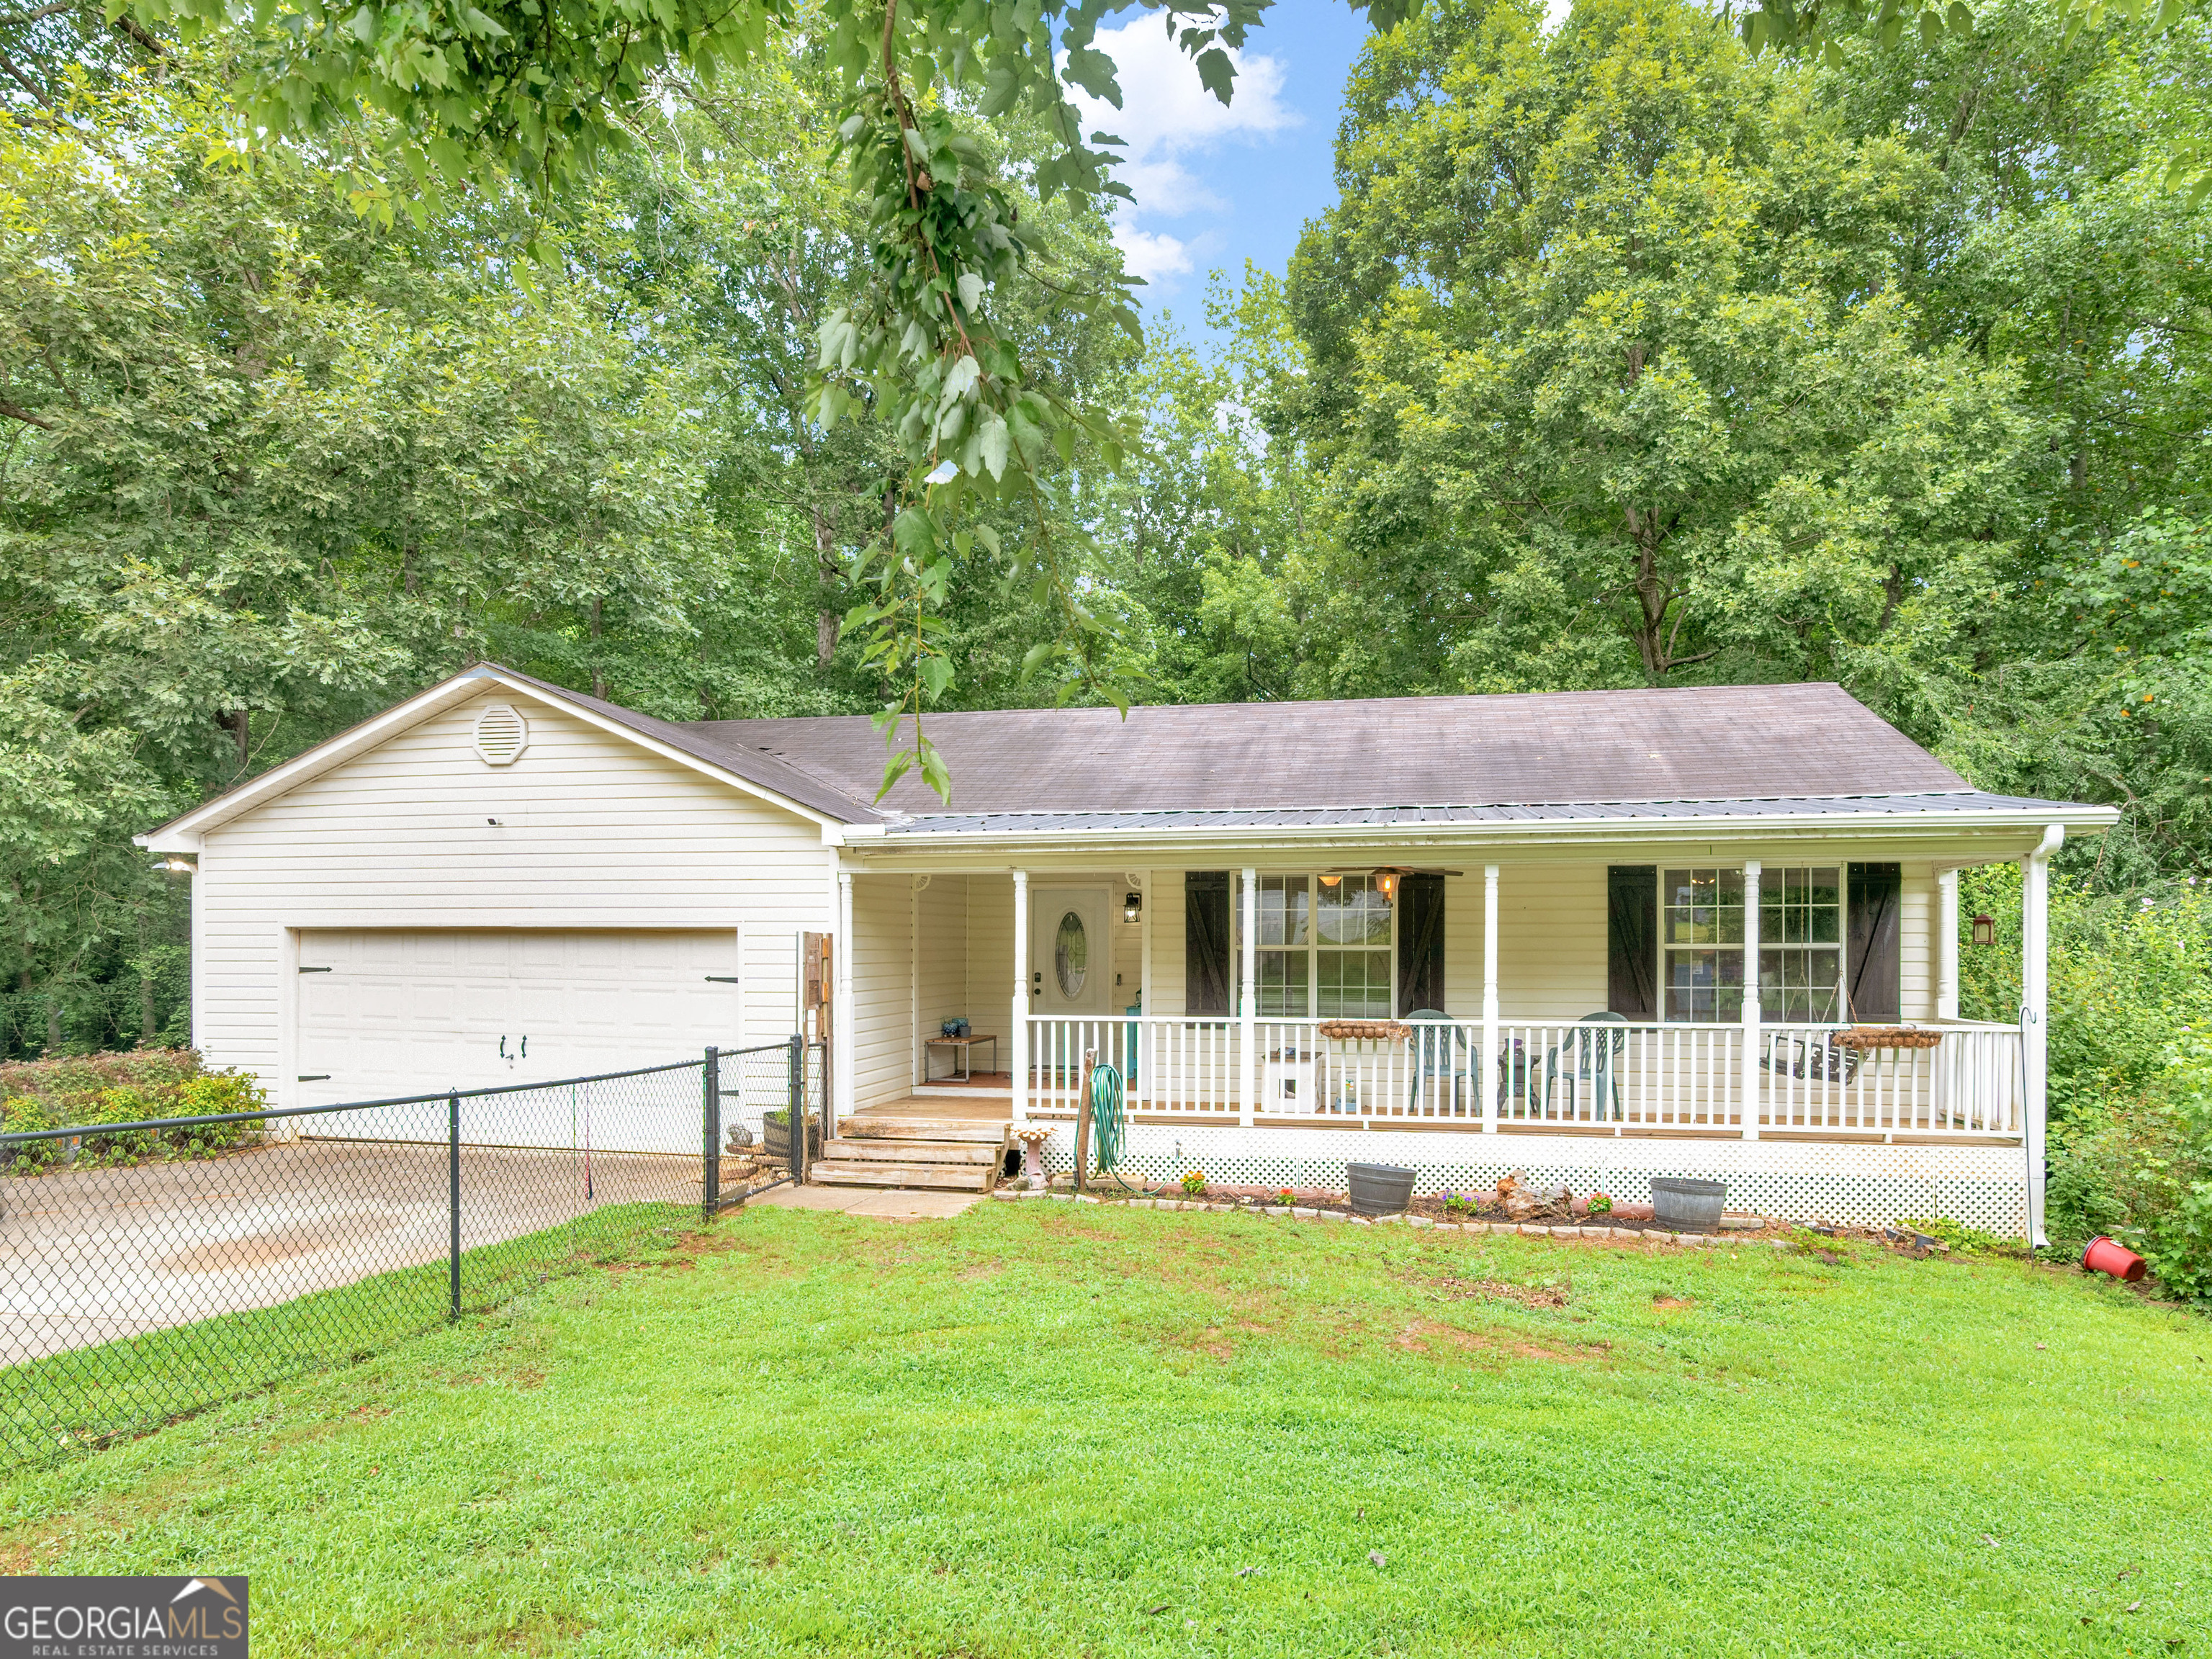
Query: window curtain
{"x": 1420, "y": 943}
{"x": 1871, "y": 941}
{"x": 1205, "y": 973}
{"x": 1631, "y": 944}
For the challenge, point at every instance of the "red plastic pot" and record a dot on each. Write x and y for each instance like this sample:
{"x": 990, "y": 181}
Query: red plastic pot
{"x": 2103, "y": 1256}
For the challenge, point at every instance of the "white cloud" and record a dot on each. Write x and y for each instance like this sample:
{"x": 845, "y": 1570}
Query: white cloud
{"x": 1167, "y": 117}
{"x": 1149, "y": 254}
{"x": 1555, "y": 13}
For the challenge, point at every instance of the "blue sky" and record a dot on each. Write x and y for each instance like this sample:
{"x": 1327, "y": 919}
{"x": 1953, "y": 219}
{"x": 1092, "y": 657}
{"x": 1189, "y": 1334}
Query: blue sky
{"x": 1215, "y": 187}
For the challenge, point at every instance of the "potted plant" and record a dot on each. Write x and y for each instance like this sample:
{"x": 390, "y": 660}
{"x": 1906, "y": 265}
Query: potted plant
{"x": 1379, "y": 1188}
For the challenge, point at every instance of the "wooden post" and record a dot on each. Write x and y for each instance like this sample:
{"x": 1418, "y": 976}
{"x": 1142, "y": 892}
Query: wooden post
{"x": 1083, "y": 1117}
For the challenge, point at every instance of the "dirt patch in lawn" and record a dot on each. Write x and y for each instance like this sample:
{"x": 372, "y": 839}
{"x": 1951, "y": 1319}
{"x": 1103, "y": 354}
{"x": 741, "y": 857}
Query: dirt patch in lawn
{"x": 1674, "y": 1303}
{"x": 1454, "y": 1289}
{"x": 1425, "y": 1337}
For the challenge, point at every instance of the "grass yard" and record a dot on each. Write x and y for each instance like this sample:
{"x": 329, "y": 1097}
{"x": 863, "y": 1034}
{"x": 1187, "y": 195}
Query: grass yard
{"x": 1043, "y": 1429}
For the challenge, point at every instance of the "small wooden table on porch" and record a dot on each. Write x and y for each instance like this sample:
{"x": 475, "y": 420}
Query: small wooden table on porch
{"x": 964, "y": 1047}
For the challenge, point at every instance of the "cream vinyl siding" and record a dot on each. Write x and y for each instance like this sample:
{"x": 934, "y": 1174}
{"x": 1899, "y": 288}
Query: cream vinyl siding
{"x": 990, "y": 955}
{"x": 882, "y": 1047}
{"x": 1916, "y": 942}
{"x": 1551, "y": 941}
{"x": 594, "y": 832}
{"x": 943, "y": 908}
{"x": 1167, "y": 942}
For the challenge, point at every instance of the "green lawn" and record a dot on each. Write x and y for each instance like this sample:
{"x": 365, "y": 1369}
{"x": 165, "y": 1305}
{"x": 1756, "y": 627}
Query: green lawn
{"x": 1052, "y": 1429}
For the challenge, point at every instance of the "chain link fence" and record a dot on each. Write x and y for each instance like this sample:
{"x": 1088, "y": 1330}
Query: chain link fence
{"x": 151, "y": 1269}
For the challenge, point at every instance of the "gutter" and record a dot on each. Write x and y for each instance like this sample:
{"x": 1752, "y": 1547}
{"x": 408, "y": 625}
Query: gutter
{"x": 1521, "y": 831}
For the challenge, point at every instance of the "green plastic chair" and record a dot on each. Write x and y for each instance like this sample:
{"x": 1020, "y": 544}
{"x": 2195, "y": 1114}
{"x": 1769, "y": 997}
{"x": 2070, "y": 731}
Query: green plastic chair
{"x": 1590, "y": 1058}
{"x": 1437, "y": 1054}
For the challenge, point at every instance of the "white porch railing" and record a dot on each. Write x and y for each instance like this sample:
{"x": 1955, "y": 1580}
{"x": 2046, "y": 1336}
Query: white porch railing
{"x": 1598, "y": 1074}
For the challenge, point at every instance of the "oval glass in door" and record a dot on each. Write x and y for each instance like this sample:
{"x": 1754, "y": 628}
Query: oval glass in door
{"x": 1071, "y": 956}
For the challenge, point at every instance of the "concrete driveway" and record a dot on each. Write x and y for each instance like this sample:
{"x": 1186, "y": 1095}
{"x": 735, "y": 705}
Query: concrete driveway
{"x": 91, "y": 1255}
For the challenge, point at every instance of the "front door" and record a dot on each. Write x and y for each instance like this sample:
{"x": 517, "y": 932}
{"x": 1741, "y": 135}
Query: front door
{"x": 1071, "y": 953}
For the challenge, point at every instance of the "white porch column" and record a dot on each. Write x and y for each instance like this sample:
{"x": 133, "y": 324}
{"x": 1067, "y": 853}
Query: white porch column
{"x": 2034, "y": 998}
{"x": 1248, "y": 1006}
{"x": 1021, "y": 1043}
{"x": 842, "y": 992}
{"x": 1946, "y": 945}
{"x": 1489, "y": 1058}
{"x": 1750, "y": 1090}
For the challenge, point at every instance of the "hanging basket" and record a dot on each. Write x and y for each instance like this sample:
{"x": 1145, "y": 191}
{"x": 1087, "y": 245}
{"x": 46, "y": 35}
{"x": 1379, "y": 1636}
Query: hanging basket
{"x": 1885, "y": 1036}
{"x": 1365, "y": 1030}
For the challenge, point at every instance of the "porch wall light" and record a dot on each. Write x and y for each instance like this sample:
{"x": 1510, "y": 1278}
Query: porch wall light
{"x": 1386, "y": 882}
{"x": 181, "y": 864}
{"x": 1132, "y": 907}
{"x": 1986, "y": 931}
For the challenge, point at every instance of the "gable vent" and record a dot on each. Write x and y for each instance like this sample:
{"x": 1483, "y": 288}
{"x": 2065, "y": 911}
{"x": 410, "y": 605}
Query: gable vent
{"x": 501, "y": 735}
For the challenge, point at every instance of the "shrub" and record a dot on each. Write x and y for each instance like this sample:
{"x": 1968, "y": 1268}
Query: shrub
{"x": 145, "y": 1084}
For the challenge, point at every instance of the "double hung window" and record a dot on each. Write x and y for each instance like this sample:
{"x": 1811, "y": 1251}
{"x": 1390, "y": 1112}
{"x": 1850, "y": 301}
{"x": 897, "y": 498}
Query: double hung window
{"x": 1324, "y": 948}
{"x": 1800, "y": 967}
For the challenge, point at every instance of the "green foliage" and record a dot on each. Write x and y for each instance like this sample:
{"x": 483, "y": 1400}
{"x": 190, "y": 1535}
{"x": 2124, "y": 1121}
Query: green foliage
{"x": 145, "y": 1084}
{"x": 1965, "y": 1240}
{"x": 2127, "y": 973}
{"x": 2142, "y": 1173}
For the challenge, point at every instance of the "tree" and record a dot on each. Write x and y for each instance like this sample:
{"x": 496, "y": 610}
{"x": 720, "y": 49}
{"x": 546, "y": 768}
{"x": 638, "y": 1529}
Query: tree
{"x": 1610, "y": 327}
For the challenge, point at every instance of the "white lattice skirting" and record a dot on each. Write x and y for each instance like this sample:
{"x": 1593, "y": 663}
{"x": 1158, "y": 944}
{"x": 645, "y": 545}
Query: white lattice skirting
{"x": 1851, "y": 1184}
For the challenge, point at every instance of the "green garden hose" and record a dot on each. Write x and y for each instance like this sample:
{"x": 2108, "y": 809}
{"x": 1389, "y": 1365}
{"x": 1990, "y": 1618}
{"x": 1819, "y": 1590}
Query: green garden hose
{"x": 1109, "y": 1120}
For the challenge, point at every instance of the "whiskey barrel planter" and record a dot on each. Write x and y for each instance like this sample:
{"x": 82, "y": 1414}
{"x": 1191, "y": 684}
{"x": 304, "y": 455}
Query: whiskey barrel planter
{"x": 1685, "y": 1205}
{"x": 1379, "y": 1188}
{"x": 775, "y": 1137}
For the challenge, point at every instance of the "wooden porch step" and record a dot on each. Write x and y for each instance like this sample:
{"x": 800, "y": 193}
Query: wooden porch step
{"x": 911, "y": 1152}
{"x": 887, "y": 1128}
{"x": 966, "y": 1178}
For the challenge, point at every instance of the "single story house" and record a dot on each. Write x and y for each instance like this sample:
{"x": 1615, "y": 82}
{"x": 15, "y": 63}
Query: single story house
{"x": 1469, "y": 934}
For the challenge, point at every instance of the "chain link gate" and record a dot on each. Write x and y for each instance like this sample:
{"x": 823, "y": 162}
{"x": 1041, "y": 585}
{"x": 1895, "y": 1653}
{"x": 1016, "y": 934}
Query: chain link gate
{"x": 155, "y": 1267}
{"x": 750, "y": 1099}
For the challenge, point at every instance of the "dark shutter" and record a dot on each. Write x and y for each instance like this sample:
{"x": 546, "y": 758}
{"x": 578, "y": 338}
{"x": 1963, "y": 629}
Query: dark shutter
{"x": 1871, "y": 942}
{"x": 1205, "y": 942}
{"x": 1420, "y": 943}
{"x": 1631, "y": 944}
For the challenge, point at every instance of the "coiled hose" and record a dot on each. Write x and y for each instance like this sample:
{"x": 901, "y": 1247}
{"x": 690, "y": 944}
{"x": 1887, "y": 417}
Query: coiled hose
{"x": 1107, "y": 1119}
{"x": 1109, "y": 1123}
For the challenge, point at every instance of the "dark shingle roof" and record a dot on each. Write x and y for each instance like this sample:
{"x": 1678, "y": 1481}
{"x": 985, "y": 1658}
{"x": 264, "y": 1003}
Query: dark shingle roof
{"x": 1732, "y": 742}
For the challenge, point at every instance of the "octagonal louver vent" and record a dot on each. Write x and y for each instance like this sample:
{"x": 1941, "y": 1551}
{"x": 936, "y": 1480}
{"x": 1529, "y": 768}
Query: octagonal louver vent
{"x": 501, "y": 735}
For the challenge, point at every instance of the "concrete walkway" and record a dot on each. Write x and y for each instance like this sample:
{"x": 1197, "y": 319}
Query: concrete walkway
{"x": 893, "y": 1204}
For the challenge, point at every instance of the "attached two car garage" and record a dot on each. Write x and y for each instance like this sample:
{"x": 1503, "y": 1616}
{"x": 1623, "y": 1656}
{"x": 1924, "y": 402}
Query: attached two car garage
{"x": 384, "y": 1012}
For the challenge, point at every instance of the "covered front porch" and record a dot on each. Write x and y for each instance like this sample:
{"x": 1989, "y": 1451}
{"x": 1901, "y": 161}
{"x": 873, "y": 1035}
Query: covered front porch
{"x": 1259, "y": 1017}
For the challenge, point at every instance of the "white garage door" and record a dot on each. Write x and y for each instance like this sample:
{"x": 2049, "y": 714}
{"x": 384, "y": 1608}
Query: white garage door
{"x": 409, "y": 1012}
